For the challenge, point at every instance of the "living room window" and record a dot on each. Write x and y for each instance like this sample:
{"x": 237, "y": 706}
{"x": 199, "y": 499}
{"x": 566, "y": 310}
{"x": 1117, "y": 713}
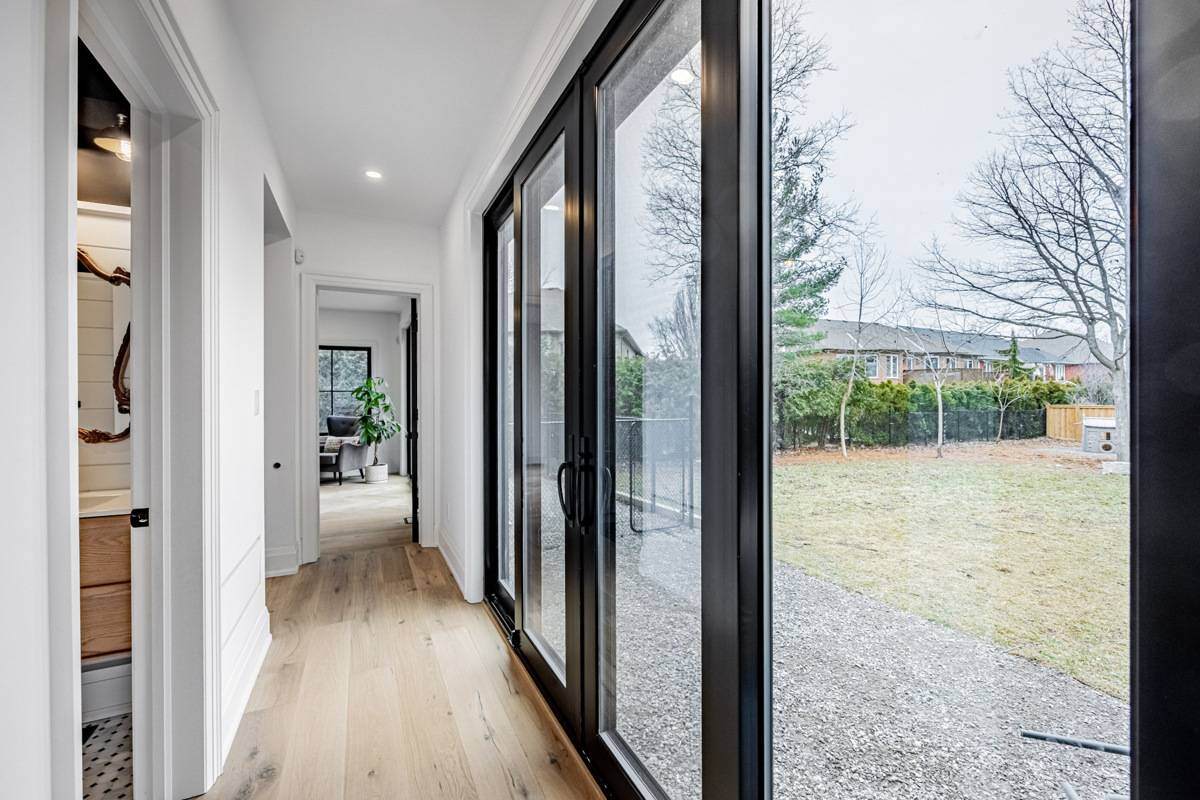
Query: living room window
{"x": 340, "y": 370}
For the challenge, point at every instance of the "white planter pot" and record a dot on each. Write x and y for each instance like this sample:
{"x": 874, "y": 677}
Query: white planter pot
{"x": 377, "y": 473}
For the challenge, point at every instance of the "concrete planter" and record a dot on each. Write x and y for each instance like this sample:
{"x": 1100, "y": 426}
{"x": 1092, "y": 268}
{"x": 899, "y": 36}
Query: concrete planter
{"x": 376, "y": 473}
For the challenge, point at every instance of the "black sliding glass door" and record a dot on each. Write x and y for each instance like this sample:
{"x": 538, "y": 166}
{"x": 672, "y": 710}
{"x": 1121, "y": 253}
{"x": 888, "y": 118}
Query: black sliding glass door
{"x": 643, "y": 263}
{"x": 545, "y": 408}
{"x": 841, "y": 420}
{"x": 617, "y": 260}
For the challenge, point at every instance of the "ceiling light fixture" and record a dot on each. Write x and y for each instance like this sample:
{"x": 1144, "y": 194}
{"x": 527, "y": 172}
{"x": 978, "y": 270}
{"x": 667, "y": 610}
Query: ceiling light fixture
{"x": 115, "y": 139}
{"x": 374, "y": 175}
{"x": 683, "y": 76}
{"x": 551, "y": 207}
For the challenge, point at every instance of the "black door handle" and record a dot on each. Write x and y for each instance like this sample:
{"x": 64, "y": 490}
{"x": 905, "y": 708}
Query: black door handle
{"x": 568, "y": 511}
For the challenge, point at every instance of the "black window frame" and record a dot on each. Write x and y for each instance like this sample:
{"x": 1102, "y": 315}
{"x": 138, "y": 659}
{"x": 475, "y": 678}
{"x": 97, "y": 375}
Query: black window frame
{"x": 321, "y": 423}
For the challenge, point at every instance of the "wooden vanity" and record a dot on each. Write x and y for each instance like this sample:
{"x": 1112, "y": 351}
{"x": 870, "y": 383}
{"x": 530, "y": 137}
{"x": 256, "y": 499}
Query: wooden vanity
{"x": 105, "y": 615}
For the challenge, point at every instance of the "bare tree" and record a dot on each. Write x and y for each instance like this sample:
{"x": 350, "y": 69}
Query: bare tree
{"x": 678, "y": 333}
{"x": 939, "y": 348}
{"x": 1008, "y": 391}
{"x": 868, "y": 283}
{"x": 1052, "y": 202}
{"x": 806, "y": 226}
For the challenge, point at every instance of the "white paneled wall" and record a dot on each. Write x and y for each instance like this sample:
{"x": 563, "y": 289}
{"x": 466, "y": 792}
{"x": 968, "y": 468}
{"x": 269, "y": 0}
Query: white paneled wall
{"x": 103, "y": 314}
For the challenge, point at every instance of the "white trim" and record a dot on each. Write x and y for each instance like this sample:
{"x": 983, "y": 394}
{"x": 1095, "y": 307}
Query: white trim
{"x": 308, "y": 495}
{"x": 59, "y": 120}
{"x": 454, "y": 561}
{"x": 140, "y": 45}
{"x": 282, "y": 560}
{"x": 572, "y": 21}
{"x": 245, "y": 673}
{"x": 106, "y": 691}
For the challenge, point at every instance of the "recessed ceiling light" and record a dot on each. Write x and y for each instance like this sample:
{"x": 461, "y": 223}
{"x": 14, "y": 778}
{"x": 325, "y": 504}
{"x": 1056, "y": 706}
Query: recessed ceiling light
{"x": 374, "y": 175}
{"x": 683, "y": 76}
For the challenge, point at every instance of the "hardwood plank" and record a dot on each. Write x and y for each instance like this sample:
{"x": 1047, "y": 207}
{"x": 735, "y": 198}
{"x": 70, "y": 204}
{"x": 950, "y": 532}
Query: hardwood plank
{"x": 559, "y": 769}
{"x": 493, "y": 749}
{"x": 315, "y": 765}
{"x": 382, "y": 682}
{"x": 427, "y": 721}
{"x": 334, "y": 600}
{"x": 377, "y": 762}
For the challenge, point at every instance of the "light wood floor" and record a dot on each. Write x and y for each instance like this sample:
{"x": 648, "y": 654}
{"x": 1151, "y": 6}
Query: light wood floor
{"x": 356, "y": 515}
{"x": 381, "y": 682}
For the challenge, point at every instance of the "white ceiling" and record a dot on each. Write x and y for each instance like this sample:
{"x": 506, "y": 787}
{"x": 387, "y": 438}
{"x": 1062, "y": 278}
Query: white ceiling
{"x": 364, "y": 301}
{"x": 407, "y": 87}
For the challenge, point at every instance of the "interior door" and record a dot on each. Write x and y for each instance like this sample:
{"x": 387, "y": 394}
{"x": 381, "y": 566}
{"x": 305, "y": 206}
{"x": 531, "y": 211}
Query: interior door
{"x": 547, "y": 402}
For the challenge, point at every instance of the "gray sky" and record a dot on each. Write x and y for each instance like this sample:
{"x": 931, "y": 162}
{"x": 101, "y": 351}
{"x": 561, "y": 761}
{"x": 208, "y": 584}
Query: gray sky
{"x": 923, "y": 83}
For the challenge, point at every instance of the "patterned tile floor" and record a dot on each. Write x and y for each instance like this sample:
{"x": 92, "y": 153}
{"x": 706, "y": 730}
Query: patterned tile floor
{"x": 108, "y": 759}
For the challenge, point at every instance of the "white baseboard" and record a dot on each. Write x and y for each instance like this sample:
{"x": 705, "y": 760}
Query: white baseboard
{"x": 454, "y": 561}
{"x": 282, "y": 561}
{"x": 106, "y": 691}
{"x": 245, "y": 674}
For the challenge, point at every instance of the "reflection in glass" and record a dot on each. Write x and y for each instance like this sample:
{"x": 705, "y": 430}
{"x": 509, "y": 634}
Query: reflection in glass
{"x": 648, "y": 221}
{"x": 949, "y": 513}
{"x": 543, "y": 255}
{"x": 506, "y": 342}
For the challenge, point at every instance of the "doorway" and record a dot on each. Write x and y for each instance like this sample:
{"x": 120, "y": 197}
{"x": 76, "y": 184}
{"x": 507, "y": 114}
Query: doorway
{"x": 105, "y": 325}
{"x": 365, "y": 370}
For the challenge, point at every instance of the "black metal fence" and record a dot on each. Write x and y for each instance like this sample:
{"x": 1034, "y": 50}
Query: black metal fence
{"x": 657, "y": 472}
{"x": 898, "y": 429}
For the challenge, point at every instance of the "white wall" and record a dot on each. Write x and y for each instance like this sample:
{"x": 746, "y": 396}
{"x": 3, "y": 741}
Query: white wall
{"x": 281, "y": 296}
{"x": 246, "y": 156}
{"x": 461, "y": 434}
{"x": 24, "y": 585}
{"x": 382, "y": 333}
{"x": 352, "y": 247}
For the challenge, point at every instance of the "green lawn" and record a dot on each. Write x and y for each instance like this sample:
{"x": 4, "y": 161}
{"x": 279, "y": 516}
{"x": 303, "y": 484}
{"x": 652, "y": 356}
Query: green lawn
{"x": 1031, "y": 555}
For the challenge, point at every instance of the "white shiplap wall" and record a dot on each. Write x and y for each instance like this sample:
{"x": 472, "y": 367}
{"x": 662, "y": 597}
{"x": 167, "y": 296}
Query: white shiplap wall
{"x": 103, "y": 313}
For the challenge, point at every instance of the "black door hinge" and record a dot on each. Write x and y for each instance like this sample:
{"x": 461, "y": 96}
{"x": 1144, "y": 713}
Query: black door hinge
{"x": 139, "y": 518}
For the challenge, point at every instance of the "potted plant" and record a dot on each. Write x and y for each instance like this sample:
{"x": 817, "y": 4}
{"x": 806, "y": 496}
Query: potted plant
{"x": 376, "y": 423}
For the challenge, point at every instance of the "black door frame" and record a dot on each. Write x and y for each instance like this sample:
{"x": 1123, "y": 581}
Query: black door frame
{"x": 1165, "y": 406}
{"x": 735, "y": 293}
{"x": 495, "y": 594}
{"x": 562, "y": 122}
{"x": 1165, "y": 557}
{"x": 413, "y": 414}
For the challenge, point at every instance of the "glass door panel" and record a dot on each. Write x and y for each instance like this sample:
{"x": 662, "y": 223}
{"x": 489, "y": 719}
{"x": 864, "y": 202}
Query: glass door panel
{"x": 543, "y": 374}
{"x": 648, "y": 351}
{"x": 951, "y": 493}
{"x": 506, "y": 424}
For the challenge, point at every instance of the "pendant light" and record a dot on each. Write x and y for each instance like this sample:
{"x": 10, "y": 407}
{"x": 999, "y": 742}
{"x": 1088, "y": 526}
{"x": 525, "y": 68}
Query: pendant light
{"x": 115, "y": 139}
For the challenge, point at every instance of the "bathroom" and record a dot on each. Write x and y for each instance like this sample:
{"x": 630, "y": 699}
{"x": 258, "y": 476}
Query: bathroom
{"x": 103, "y": 233}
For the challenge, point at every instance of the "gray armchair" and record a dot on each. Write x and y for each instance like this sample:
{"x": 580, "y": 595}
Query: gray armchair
{"x": 349, "y": 456}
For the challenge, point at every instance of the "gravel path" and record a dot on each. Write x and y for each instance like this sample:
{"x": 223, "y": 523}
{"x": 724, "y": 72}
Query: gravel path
{"x": 871, "y": 703}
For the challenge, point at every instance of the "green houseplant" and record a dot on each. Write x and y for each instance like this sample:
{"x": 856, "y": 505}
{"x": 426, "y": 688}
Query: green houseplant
{"x": 376, "y": 423}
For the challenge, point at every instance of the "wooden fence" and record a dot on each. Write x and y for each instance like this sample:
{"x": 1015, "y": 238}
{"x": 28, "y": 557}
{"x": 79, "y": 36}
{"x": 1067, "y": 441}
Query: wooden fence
{"x": 1066, "y": 422}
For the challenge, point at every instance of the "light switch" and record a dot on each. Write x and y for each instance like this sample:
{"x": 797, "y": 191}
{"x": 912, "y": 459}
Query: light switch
{"x": 257, "y": 401}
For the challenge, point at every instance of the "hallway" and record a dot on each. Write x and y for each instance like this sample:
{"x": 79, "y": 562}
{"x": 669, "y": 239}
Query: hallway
{"x": 382, "y": 682}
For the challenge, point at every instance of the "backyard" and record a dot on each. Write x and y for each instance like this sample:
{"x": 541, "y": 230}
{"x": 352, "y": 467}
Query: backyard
{"x": 1022, "y": 544}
